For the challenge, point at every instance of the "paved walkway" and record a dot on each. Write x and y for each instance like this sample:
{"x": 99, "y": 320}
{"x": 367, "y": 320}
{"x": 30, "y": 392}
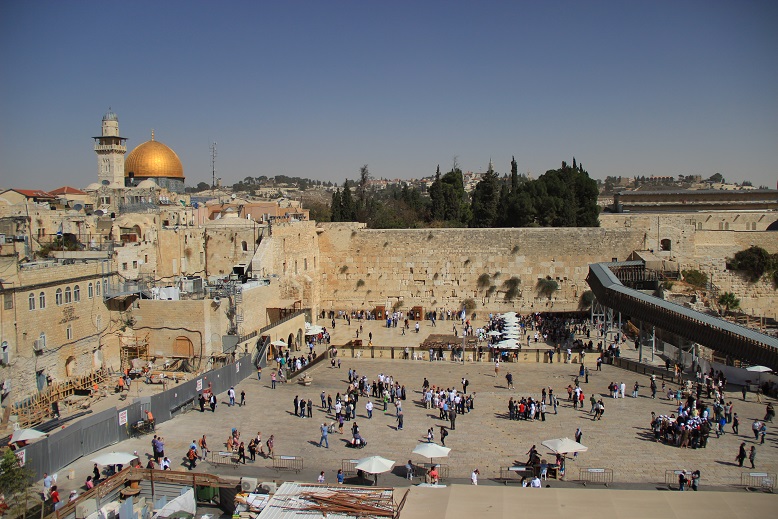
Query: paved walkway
{"x": 483, "y": 439}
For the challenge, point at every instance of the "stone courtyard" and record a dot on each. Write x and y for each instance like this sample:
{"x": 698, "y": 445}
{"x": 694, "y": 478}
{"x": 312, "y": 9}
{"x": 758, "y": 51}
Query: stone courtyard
{"x": 483, "y": 439}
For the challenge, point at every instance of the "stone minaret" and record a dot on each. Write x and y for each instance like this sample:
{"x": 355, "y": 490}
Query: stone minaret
{"x": 110, "y": 149}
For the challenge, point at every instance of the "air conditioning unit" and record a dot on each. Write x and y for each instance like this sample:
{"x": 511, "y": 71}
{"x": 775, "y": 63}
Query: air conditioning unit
{"x": 269, "y": 486}
{"x": 85, "y": 508}
{"x": 37, "y": 345}
{"x": 217, "y": 300}
{"x": 248, "y": 484}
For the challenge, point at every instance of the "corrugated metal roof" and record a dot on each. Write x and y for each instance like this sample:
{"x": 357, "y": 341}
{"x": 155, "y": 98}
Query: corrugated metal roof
{"x": 287, "y": 502}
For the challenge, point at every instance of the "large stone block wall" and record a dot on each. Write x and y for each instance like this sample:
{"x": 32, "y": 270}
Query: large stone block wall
{"x": 439, "y": 268}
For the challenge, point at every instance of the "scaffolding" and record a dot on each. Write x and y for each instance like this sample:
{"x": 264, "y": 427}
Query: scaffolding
{"x": 133, "y": 348}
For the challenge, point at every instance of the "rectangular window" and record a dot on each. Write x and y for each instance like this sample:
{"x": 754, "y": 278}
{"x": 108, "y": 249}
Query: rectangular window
{"x": 99, "y": 322}
{"x": 124, "y": 266}
{"x": 8, "y": 300}
{"x": 69, "y": 332}
{"x": 134, "y": 264}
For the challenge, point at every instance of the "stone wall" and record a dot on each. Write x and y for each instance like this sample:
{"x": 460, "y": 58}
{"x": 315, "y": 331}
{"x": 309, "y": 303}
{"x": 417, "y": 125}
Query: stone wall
{"x": 440, "y": 268}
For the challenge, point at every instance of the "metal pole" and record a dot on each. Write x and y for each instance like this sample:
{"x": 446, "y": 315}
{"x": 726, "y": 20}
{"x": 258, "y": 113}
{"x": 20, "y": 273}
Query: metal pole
{"x": 640, "y": 343}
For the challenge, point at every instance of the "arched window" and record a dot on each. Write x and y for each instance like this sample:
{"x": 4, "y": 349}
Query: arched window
{"x": 666, "y": 244}
{"x": 31, "y": 298}
{"x": 105, "y": 286}
{"x": 245, "y": 246}
{"x": 42, "y": 300}
{"x": 69, "y": 332}
{"x": 97, "y": 288}
{"x": 76, "y": 293}
{"x": 68, "y": 295}
{"x": 90, "y": 290}
{"x": 58, "y": 297}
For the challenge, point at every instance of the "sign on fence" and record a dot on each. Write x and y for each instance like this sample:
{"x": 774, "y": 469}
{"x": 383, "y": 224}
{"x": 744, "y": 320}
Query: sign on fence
{"x": 122, "y": 417}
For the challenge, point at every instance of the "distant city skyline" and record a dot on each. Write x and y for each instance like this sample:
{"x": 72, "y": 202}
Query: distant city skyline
{"x": 317, "y": 89}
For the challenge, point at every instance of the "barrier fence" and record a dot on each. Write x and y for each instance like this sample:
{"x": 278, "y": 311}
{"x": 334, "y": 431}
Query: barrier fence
{"x": 294, "y": 463}
{"x": 760, "y": 480}
{"x": 596, "y": 475}
{"x": 97, "y": 431}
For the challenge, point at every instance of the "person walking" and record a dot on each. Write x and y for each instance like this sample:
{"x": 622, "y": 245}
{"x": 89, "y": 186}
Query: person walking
{"x": 741, "y": 455}
{"x": 474, "y": 477}
{"x": 231, "y": 395}
{"x": 273, "y": 380}
{"x": 212, "y": 402}
{"x": 270, "y": 444}
{"x": 203, "y": 447}
{"x": 323, "y": 438}
{"x": 242, "y": 397}
{"x": 635, "y": 390}
{"x": 752, "y": 456}
{"x": 682, "y": 481}
{"x": 755, "y": 428}
{"x": 259, "y": 372}
{"x": 369, "y": 409}
{"x": 400, "y": 419}
{"x": 192, "y": 457}
{"x": 242, "y": 453}
{"x": 735, "y": 423}
{"x": 578, "y": 438}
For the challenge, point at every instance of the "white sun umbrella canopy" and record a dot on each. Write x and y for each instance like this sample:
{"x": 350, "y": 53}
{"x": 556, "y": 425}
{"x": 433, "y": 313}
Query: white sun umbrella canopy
{"x": 564, "y": 446}
{"x": 509, "y": 314}
{"x": 25, "y": 435}
{"x": 114, "y": 458}
{"x": 314, "y": 330}
{"x": 507, "y": 344}
{"x": 431, "y": 450}
{"x": 278, "y": 343}
{"x": 494, "y": 333}
{"x": 374, "y": 465}
{"x": 758, "y": 369}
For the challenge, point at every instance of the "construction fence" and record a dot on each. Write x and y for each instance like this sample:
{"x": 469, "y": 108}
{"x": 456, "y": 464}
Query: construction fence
{"x": 97, "y": 431}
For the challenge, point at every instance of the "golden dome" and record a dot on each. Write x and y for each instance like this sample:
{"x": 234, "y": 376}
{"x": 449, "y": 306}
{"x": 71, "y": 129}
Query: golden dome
{"x": 153, "y": 159}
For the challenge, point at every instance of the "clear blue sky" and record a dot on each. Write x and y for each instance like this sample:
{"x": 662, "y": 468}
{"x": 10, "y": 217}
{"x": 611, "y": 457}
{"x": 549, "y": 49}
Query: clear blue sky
{"x": 319, "y": 88}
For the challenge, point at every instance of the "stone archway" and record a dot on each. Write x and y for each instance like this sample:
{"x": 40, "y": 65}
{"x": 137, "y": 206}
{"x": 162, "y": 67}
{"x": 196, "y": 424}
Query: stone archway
{"x": 97, "y": 357}
{"x": 183, "y": 347}
{"x": 70, "y": 367}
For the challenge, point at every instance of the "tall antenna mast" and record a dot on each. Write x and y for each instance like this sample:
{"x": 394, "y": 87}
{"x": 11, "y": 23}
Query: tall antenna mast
{"x": 213, "y": 166}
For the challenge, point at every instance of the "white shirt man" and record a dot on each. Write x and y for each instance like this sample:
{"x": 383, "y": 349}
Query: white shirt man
{"x": 623, "y": 389}
{"x": 474, "y": 477}
{"x": 535, "y": 482}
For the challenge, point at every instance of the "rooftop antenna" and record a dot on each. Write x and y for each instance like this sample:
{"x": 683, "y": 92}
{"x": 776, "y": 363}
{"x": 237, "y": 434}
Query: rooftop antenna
{"x": 213, "y": 166}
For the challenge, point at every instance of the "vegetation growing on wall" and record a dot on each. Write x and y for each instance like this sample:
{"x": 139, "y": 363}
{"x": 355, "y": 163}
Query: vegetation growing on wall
{"x": 546, "y": 287}
{"x": 695, "y": 278}
{"x": 754, "y": 262}
{"x": 511, "y": 287}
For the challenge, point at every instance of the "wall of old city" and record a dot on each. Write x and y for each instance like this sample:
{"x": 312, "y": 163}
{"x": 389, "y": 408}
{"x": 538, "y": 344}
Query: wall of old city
{"x": 292, "y": 254}
{"x": 439, "y": 268}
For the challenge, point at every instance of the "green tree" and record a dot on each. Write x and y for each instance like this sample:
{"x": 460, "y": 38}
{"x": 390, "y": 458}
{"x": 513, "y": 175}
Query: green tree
{"x": 729, "y": 301}
{"x": 348, "y": 207}
{"x": 16, "y": 484}
{"x": 753, "y": 262}
{"x": 438, "y": 204}
{"x": 336, "y": 208}
{"x": 486, "y": 198}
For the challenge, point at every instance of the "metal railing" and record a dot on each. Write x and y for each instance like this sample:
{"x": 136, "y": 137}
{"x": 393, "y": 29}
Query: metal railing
{"x": 758, "y": 480}
{"x": 294, "y": 463}
{"x": 596, "y": 475}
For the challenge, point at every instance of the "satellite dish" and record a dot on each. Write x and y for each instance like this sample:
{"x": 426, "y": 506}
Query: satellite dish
{"x": 105, "y": 182}
{"x": 217, "y": 300}
{"x": 99, "y": 212}
{"x": 78, "y": 207}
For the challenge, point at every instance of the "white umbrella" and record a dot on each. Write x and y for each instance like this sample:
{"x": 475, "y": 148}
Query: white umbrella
{"x": 509, "y": 314}
{"x": 114, "y": 458}
{"x": 279, "y": 342}
{"x": 431, "y": 450}
{"x": 25, "y": 435}
{"x": 374, "y": 465}
{"x": 564, "y": 446}
{"x": 758, "y": 369}
{"x": 314, "y": 330}
{"x": 507, "y": 344}
{"x": 494, "y": 333}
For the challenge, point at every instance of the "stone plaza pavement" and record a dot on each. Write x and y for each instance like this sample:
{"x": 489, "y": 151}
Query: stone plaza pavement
{"x": 483, "y": 439}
